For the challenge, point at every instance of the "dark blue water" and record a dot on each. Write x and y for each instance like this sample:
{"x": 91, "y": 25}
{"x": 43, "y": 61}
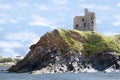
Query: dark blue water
{"x": 64, "y": 76}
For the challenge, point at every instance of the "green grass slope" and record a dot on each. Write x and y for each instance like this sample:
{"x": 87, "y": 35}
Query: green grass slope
{"x": 88, "y": 42}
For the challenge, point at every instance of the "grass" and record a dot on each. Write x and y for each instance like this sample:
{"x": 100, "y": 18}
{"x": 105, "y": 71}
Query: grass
{"x": 6, "y": 60}
{"x": 71, "y": 43}
{"x": 90, "y": 42}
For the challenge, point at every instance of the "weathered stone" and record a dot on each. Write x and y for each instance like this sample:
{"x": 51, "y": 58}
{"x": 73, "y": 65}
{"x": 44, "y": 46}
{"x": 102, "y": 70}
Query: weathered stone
{"x": 59, "y": 57}
{"x": 85, "y": 23}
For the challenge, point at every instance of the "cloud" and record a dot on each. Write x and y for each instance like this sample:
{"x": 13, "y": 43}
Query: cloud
{"x": 117, "y": 21}
{"x": 85, "y": 0}
{"x": 5, "y": 6}
{"x": 22, "y": 4}
{"x": 93, "y": 6}
{"x": 40, "y": 21}
{"x": 13, "y": 20}
{"x": 22, "y": 37}
{"x": 2, "y": 21}
{"x": 7, "y": 52}
{"x": 16, "y": 19}
{"x": 10, "y": 44}
{"x": 82, "y": 0}
{"x": 17, "y": 41}
{"x": 1, "y": 29}
{"x": 52, "y": 8}
{"x": 43, "y": 8}
{"x": 110, "y": 33}
{"x": 44, "y": 22}
{"x": 98, "y": 21}
{"x": 101, "y": 19}
{"x": 3, "y": 18}
{"x": 60, "y": 2}
{"x": 118, "y": 4}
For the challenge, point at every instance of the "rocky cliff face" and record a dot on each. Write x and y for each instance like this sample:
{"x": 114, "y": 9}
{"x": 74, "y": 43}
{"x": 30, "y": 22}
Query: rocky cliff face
{"x": 71, "y": 51}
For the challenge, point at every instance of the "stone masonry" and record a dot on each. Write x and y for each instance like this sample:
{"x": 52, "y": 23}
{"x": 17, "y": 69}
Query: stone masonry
{"x": 86, "y": 22}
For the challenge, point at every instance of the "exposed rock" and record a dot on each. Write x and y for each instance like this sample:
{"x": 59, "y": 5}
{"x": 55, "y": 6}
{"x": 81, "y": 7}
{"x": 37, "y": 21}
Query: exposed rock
{"x": 71, "y": 51}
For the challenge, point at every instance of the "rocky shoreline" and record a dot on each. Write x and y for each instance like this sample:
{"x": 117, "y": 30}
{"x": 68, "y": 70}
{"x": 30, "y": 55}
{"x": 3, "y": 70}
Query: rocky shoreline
{"x": 92, "y": 70}
{"x": 71, "y": 51}
{"x": 75, "y": 62}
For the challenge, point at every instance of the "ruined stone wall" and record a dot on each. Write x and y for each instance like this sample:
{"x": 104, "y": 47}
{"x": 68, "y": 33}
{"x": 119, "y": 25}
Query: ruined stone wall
{"x": 86, "y": 22}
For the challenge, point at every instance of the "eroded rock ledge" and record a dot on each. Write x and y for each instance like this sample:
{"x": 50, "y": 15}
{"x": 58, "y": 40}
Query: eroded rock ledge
{"x": 71, "y": 51}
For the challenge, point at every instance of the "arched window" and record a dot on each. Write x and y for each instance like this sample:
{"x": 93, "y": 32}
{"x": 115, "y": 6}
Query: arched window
{"x": 76, "y": 26}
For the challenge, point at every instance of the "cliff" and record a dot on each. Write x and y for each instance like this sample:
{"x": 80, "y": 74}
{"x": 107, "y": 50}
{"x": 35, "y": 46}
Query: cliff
{"x": 71, "y": 51}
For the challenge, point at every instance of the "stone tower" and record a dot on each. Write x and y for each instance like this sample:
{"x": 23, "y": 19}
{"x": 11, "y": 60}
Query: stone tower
{"x": 86, "y": 22}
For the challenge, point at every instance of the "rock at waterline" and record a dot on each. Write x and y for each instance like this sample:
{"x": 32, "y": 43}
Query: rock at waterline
{"x": 71, "y": 51}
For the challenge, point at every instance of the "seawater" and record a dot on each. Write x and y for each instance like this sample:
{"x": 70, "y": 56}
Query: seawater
{"x": 60, "y": 76}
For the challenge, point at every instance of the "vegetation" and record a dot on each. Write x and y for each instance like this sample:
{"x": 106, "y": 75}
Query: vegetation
{"x": 69, "y": 41}
{"x": 90, "y": 42}
{"x": 4, "y": 60}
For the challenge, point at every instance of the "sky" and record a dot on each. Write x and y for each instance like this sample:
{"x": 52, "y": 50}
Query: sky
{"x": 23, "y": 22}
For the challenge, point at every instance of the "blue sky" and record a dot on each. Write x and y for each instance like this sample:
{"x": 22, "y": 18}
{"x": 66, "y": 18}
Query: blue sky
{"x": 23, "y": 22}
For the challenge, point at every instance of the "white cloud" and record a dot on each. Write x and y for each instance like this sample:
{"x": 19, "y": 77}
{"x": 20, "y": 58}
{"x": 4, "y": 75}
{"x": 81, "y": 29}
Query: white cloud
{"x": 103, "y": 7}
{"x": 60, "y": 2}
{"x": 118, "y": 4}
{"x": 1, "y": 29}
{"x": 84, "y": 0}
{"x": 43, "y": 8}
{"x": 110, "y": 33}
{"x": 10, "y": 44}
{"x": 101, "y": 19}
{"x": 13, "y": 20}
{"x": 17, "y": 41}
{"x": 3, "y": 18}
{"x": 24, "y": 37}
{"x": 51, "y": 8}
{"x": 117, "y": 21}
{"x": 2, "y": 21}
{"x": 93, "y": 6}
{"x": 22, "y": 4}
{"x": 5, "y": 6}
{"x": 81, "y": 0}
{"x": 40, "y": 21}
{"x": 98, "y": 21}
{"x": 2, "y": 15}
{"x": 16, "y": 19}
{"x": 8, "y": 52}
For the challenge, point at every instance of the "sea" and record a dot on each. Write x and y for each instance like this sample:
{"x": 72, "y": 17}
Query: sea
{"x": 60, "y": 76}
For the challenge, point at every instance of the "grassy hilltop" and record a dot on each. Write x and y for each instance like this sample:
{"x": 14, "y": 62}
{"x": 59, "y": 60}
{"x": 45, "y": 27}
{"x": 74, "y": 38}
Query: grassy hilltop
{"x": 86, "y": 41}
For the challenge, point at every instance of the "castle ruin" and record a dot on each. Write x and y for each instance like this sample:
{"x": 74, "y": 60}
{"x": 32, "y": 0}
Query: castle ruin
{"x": 86, "y": 22}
